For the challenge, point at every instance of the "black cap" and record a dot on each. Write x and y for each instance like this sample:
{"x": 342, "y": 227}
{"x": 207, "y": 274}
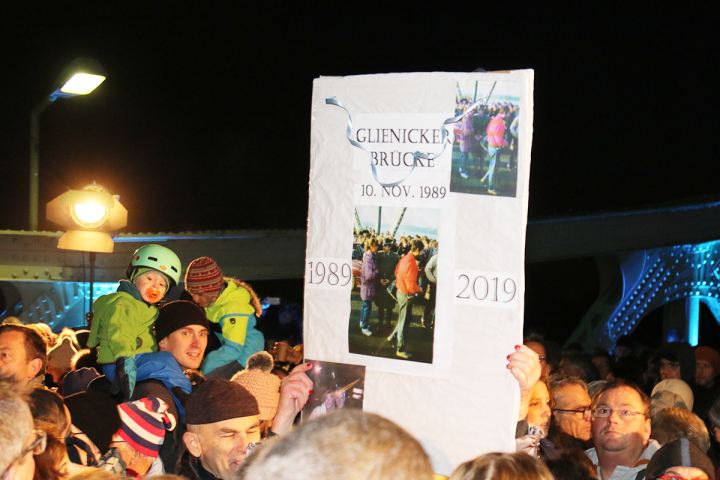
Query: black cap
{"x": 177, "y": 315}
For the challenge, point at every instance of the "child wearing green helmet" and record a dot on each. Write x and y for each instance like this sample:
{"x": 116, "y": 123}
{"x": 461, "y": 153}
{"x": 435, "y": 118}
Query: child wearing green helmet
{"x": 122, "y": 327}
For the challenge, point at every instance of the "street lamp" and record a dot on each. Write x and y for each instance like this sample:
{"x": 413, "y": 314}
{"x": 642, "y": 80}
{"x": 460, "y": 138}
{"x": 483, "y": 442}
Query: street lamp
{"x": 81, "y": 77}
{"x": 88, "y": 216}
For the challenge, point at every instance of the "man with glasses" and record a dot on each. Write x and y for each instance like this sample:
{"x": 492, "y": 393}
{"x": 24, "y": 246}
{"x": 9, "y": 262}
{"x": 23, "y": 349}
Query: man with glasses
{"x": 18, "y": 441}
{"x": 621, "y": 432}
{"x": 571, "y": 425}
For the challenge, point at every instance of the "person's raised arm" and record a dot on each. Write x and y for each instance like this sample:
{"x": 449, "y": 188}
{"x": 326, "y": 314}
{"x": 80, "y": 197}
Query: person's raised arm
{"x": 525, "y": 367}
{"x": 295, "y": 390}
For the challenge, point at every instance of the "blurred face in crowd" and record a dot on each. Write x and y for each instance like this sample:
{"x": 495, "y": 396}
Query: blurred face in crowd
{"x": 187, "y": 345}
{"x": 602, "y": 363}
{"x": 623, "y": 431}
{"x": 576, "y": 423}
{"x": 539, "y": 408}
{"x": 669, "y": 369}
{"x": 152, "y": 286}
{"x": 203, "y": 300}
{"x": 686, "y": 472}
{"x": 715, "y": 431}
{"x": 222, "y": 446}
{"x": 569, "y": 368}
{"x": 13, "y": 358}
{"x": 622, "y": 351}
{"x": 134, "y": 460}
{"x": 545, "y": 367}
{"x": 704, "y": 373}
{"x": 23, "y": 467}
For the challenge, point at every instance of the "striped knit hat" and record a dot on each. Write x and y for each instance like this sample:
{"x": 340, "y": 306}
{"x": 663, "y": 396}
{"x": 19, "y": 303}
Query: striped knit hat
{"x": 144, "y": 423}
{"x": 204, "y": 276}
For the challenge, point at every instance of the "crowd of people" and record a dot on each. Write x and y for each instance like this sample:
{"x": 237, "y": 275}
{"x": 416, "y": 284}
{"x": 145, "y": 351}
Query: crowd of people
{"x": 485, "y": 133}
{"x": 629, "y": 414}
{"x": 635, "y": 412}
{"x": 397, "y": 274}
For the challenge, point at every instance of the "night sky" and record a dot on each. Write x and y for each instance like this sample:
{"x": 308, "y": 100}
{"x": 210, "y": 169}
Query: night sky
{"x": 204, "y": 119}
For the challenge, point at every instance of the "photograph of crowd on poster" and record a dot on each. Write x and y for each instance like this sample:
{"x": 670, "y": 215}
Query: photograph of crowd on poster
{"x": 395, "y": 282}
{"x": 485, "y": 149}
{"x": 338, "y": 385}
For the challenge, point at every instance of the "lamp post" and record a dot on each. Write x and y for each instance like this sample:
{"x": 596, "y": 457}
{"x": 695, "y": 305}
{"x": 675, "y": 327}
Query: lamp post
{"x": 89, "y": 215}
{"x": 81, "y": 77}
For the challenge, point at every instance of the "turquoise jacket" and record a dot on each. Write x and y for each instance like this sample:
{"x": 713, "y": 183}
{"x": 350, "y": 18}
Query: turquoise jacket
{"x": 236, "y": 315}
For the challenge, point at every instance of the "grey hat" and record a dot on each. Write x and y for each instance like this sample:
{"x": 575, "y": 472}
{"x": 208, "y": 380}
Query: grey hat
{"x": 679, "y": 453}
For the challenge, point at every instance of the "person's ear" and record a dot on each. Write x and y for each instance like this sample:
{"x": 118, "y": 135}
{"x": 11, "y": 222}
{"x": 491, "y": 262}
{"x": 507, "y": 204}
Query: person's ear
{"x": 192, "y": 442}
{"x": 646, "y": 435}
{"x": 137, "y": 456}
{"x": 163, "y": 343}
{"x": 35, "y": 366}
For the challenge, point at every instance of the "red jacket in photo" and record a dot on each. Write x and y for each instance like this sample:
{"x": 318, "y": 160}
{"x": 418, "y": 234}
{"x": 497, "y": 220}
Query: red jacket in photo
{"x": 406, "y": 273}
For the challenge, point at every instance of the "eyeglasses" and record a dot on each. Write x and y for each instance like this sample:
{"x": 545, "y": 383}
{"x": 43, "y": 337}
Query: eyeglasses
{"x": 673, "y": 477}
{"x": 604, "y": 412}
{"x": 36, "y": 447}
{"x": 585, "y": 411}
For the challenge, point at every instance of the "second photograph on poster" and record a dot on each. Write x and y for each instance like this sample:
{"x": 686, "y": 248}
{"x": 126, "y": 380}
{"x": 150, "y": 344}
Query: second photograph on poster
{"x": 392, "y": 311}
{"x": 486, "y": 145}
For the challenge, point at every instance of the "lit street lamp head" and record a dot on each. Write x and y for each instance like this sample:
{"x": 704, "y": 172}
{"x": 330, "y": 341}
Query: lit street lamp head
{"x": 81, "y": 77}
{"x": 88, "y": 215}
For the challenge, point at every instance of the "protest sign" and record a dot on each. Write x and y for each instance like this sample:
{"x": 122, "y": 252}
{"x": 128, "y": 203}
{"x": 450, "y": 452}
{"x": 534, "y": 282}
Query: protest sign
{"x": 435, "y": 165}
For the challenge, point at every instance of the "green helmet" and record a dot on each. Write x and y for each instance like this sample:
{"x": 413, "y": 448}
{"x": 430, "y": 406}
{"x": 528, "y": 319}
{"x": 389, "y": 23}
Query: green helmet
{"x": 158, "y": 258}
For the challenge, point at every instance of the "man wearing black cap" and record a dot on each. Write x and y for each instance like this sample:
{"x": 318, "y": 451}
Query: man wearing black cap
{"x": 182, "y": 329}
{"x": 223, "y": 421}
{"x": 386, "y": 262}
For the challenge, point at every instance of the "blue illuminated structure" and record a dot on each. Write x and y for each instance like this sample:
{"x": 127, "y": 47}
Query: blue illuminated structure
{"x": 656, "y": 277}
{"x": 651, "y": 279}
{"x": 646, "y": 258}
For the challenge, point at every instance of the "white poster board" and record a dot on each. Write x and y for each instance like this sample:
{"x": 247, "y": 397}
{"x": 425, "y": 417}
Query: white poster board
{"x": 451, "y": 158}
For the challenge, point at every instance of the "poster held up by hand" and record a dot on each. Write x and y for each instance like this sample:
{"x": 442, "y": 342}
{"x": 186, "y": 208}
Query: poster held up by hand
{"x": 415, "y": 254}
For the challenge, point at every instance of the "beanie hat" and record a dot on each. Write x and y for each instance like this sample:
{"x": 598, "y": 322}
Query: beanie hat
{"x": 714, "y": 413}
{"x": 262, "y": 384}
{"x": 96, "y": 415}
{"x": 61, "y": 354}
{"x": 179, "y": 314}
{"x": 710, "y": 355}
{"x": 671, "y": 393}
{"x": 679, "y": 453}
{"x": 144, "y": 423}
{"x": 679, "y": 352}
{"x": 219, "y": 399}
{"x": 203, "y": 275}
